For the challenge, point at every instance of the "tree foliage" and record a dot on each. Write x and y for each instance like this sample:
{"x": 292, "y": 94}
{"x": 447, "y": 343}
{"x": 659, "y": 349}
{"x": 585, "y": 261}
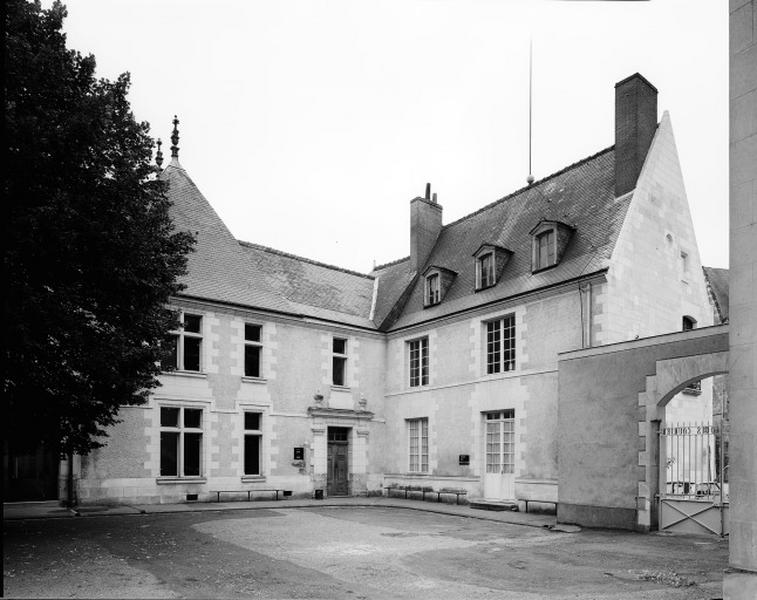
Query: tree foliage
{"x": 90, "y": 254}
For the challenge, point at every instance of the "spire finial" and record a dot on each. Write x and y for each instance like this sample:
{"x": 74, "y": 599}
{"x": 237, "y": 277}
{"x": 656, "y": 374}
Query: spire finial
{"x": 530, "y": 178}
{"x": 159, "y": 155}
{"x": 175, "y": 139}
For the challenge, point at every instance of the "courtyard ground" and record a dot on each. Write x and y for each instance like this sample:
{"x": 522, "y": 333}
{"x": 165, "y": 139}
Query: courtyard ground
{"x": 382, "y": 549}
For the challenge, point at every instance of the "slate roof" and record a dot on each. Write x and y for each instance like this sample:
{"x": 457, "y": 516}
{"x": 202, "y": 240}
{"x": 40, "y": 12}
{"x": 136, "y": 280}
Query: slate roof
{"x": 227, "y": 270}
{"x": 581, "y": 195}
{"x": 312, "y": 288}
{"x": 216, "y": 269}
{"x": 718, "y": 285}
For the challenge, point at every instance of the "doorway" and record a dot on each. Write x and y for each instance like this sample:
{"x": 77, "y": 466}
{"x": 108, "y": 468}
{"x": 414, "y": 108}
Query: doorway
{"x": 30, "y": 474}
{"x": 499, "y": 455}
{"x": 337, "y": 479}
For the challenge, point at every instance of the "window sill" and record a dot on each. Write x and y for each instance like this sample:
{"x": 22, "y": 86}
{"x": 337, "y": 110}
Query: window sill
{"x": 341, "y": 388}
{"x": 540, "y": 269}
{"x": 189, "y": 374}
{"x": 248, "y": 379}
{"x": 431, "y": 304}
{"x": 417, "y": 474}
{"x": 252, "y": 479}
{"x": 174, "y": 480}
{"x": 485, "y": 287}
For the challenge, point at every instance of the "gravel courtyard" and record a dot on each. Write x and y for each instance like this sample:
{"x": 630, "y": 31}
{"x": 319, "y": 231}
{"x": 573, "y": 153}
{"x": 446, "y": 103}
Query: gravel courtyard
{"x": 347, "y": 552}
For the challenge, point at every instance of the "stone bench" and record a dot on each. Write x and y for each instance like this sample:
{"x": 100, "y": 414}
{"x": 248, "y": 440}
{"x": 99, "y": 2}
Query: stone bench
{"x": 248, "y": 492}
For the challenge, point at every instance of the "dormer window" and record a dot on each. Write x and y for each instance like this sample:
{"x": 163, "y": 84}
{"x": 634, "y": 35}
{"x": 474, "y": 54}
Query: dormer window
{"x": 545, "y": 249}
{"x": 433, "y": 290}
{"x": 549, "y": 239}
{"x": 490, "y": 263}
{"x": 486, "y": 271}
{"x": 437, "y": 280}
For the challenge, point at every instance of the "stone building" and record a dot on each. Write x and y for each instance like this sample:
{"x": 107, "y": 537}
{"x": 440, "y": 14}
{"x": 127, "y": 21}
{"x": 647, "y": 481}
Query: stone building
{"x": 439, "y": 369}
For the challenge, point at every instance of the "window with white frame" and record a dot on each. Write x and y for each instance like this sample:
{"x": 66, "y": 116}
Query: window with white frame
{"x": 180, "y": 441}
{"x": 417, "y": 444}
{"x": 433, "y": 289}
{"x": 253, "y": 350}
{"x": 187, "y": 347}
{"x": 253, "y": 443}
{"x": 545, "y": 250}
{"x": 339, "y": 361}
{"x": 485, "y": 271}
{"x": 500, "y": 345}
{"x": 418, "y": 353}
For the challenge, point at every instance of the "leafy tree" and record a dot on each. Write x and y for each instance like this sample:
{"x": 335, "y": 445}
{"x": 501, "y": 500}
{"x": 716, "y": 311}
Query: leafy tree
{"x": 90, "y": 254}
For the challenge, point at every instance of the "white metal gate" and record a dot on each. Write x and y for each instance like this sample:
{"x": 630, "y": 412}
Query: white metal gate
{"x": 693, "y": 479}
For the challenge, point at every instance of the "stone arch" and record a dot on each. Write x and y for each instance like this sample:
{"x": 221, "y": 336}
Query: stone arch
{"x": 674, "y": 374}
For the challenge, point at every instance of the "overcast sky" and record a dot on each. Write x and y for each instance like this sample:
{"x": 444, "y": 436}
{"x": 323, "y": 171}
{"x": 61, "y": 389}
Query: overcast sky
{"x": 309, "y": 126}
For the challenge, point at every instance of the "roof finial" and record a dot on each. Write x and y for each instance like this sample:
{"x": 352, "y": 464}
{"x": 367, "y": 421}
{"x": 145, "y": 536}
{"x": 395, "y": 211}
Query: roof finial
{"x": 159, "y": 155}
{"x": 175, "y": 139}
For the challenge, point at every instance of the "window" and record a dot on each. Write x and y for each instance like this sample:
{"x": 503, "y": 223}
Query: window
{"x": 253, "y": 438}
{"x": 545, "y": 250}
{"x": 180, "y": 441}
{"x": 485, "y": 271}
{"x": 500, "y": 345}
{"x": 253, "y": 349}
{"x": 684, "y": 265}
{"x": 417, "y": 433}
{"x": 418, "y": 362}
{"x": 339, "y": 362}
{"x": 433, "y": 290}
{"x": 689, "y": 323}
{"x": 188, "y": 343}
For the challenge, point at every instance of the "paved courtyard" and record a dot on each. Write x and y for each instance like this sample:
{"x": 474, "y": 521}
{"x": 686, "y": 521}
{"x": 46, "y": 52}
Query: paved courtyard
{"x": 346, "y": 552}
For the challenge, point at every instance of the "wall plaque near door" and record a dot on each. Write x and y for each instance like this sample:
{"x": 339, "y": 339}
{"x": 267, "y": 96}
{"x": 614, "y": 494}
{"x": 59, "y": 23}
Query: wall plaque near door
{"x": 463, "y": 459}
{"x": 299, "y": 453}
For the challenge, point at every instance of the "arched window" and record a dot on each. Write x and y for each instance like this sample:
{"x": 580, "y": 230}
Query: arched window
{"x": 689, "y": 323}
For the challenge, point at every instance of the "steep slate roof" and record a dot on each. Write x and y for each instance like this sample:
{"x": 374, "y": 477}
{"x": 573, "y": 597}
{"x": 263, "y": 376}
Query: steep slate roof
{"x": 216, "y": 269}
{"x": 717, "y": 285}
{"x": 312, "y": 288}
{"x": 581, "y": 195}
{"x": 393, "y": 279}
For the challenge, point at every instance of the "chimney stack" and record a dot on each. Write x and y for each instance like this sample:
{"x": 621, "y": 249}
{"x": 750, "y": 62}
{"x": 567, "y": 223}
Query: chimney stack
{"x": 635, "y": 125}
{"x": 425, "y": 226}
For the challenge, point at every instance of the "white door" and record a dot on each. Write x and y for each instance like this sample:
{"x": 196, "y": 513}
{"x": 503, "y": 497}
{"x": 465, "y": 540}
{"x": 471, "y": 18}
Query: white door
{"x": 499, "y": 471}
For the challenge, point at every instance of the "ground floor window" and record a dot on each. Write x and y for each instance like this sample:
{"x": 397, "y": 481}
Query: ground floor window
{"x": 180, "y": 441}
{"x": 253, "y": 440}
{"x": 417, "y": 430}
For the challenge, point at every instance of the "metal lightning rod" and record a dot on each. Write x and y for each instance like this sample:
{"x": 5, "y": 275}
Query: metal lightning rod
{"x": 530, "y": 178}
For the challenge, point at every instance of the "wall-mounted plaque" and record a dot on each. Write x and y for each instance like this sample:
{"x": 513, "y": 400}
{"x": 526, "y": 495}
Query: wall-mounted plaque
{"x": 299, "y": 453}
{"x": 464, "y": 459}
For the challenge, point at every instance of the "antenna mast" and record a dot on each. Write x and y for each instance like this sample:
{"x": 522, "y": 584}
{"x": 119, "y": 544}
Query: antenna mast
{"x": 530, "y": 178}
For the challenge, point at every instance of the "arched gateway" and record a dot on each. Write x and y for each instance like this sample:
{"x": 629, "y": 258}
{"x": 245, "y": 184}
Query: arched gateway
{"x": 611, "y": 404}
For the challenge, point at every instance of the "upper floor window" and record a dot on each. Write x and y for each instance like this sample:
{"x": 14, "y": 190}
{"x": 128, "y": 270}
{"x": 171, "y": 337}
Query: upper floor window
{"x": 689, "y": 323}
{"x": 545, "y": 249}
{"x": 180, "y": 441}
{"x": 186, "y": 350}
{"x": 253, "y": 438}
{"x": 339, "y": 361}
{"x": 500, "y": 345}
{"x": 253, "y": 350}
{"x": 433, "y": 290}
{"x": 417, "y": 434}
{"x": 549, "y": 241}
{"x": 485, "y": 271}
{"x": 418, "y": 352}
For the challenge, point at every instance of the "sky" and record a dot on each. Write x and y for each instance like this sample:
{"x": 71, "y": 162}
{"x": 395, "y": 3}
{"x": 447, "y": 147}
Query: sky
{"x": 310, "y": 125}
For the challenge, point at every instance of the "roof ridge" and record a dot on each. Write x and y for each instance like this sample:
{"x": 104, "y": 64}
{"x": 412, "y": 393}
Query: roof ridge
{"x": 533, "y": 185}
{"x": 390, "y": 264}
{"x": 303, "y": 259}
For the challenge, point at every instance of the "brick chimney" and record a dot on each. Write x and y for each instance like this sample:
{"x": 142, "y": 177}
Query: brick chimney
{"x": 635, "y": 125}
{"x": 425, "y": 225}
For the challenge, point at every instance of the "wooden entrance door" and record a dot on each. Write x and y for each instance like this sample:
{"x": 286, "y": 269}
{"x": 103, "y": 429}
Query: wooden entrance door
{"x": 499, "y": 471}
{"x": 337, "y": 482}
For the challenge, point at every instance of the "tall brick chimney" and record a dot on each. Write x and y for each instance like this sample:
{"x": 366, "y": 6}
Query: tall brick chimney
{"x": 425, "y": 225}
{"x": 635, "y": 125}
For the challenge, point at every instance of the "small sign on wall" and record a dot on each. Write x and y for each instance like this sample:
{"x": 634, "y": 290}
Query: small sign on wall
{"x": 299, "y": 453}
{"x": 463, "y": 459}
